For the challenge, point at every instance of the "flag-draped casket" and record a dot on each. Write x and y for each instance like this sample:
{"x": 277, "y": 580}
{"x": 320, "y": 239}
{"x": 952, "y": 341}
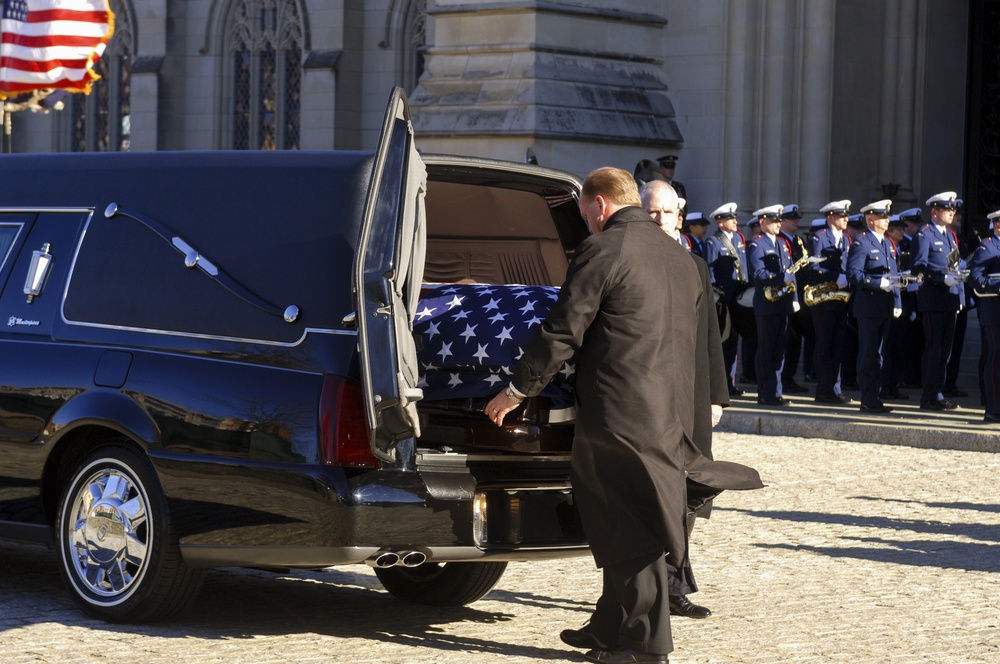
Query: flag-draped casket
{"x": 469, "y": 337}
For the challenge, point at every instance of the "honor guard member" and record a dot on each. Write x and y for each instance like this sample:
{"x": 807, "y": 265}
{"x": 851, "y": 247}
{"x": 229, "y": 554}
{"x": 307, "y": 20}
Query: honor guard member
{"x": 871, "y": 264}
{"x": 748, "y": 344}
{"x": 726, "y": 255}
{"x": 800, "y": 323}
{"x": 954, "y": 366}
{"x": 770, "y": 258}
{"x": 696, "y": 229}
{"x": 829, "y": 314}
{"x": 935, "y": 255}
{"x": 984, "y": 275}
{"x": 668, "y": 164}
{"x": 849, "y": 366}
{"x": 892, "y": 357}
{"x": 911, "y": 341}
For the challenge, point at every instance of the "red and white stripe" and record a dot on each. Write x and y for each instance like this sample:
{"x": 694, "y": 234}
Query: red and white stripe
{"x": 55, "y": 46}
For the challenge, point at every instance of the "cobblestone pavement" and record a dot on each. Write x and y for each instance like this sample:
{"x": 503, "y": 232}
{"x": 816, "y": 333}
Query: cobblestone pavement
{"x": 853, "y": 553}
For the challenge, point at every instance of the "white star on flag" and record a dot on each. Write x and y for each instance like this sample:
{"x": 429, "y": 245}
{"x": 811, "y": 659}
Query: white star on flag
{"x": 528, "y": 306}
{"x": 481, "y": 354}
{"x": 433, "y": 329}
{"x": 470, "y": 332}
{"x": 425, "y": 312}
{"x": 454, "y": 302}
{"x": 505, "y": 334}
{"x": 445, "y": 351}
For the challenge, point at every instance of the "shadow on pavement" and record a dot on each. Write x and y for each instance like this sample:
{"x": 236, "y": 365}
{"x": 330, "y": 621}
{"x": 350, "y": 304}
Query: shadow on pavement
{"x": 244, "y": 604}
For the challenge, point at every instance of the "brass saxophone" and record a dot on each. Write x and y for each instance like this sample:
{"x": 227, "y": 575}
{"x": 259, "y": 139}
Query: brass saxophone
{"x": 826, "y": 291}
{"x": 775, "y": 293}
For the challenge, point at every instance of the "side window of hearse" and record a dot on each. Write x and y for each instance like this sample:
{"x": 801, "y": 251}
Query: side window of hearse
{"x": 36, "y": 268}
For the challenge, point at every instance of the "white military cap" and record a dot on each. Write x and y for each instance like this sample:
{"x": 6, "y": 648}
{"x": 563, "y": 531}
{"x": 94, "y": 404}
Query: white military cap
{"x": 681, "y": 203}
{"x": 880, "y": 208}
{"x": 818, "y": 222}
{"x": 773, "y": 211}
{"x": 790, "y": 211}
{"x": 753, "y": 221}
{"x": 695, "y": 218}
{"x": 724, "y": 211}
{"x": 946, "y": 199}
{"x": 911, "y": 214}
{"x": 836, "y": 207}
{"x": 994, "y": 216}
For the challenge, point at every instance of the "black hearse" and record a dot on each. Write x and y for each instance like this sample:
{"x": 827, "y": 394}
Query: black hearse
{"x": 208, "y": 361}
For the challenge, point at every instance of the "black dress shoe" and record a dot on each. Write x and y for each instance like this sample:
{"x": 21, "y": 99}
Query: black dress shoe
{"x": 625, "y": 656}
{"x": 991, "y": 419}
{"x": 937, "y": 405}
{"x": 879, "y": 410}
{"x": 836, "y": 399}
{"x": 749, "y": 379}
{"x": 809, "y": 378}
{"x": 952, "y": 391}
{"x": 780, "y": 401}
{"x": 892, "y": 393}
{"x": 583, "y": 638}
{"x": 735, "y": 391}
{"x": 680, "y": 605}
{"x": 792, "y": 387}
{"x": 849, "y": 386}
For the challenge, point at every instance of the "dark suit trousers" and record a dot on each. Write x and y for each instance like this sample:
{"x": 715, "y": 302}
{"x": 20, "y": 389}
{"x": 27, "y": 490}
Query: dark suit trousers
{"x": 729, "y": 348}
{"x": 830, "y": 324}
{"x": 939, "y": 331}
{"x": 991, "y": 368}
{"x": 772, "y": 343}
{"x": 871, "y": 338}
{"x": 634, "y": 608}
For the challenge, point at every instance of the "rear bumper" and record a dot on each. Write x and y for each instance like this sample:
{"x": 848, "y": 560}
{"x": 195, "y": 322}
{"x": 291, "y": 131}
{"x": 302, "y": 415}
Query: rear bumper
{"x": 250, "y": 514}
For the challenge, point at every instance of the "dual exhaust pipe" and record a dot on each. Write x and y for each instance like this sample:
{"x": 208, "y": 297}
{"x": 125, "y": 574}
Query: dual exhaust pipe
{"x": 384, "y": 559}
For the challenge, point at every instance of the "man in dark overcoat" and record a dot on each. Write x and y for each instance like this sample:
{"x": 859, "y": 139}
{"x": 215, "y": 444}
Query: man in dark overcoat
{"x": 628, "y": 312}
{"x": 711, "y": 393}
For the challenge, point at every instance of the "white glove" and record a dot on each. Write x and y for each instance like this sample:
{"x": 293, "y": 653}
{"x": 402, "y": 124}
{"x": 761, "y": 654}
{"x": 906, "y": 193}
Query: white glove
{"x": 789, "y": 278}
{"x": 897, "y": 312}
{"x": 913, "y": 316}
{"x": 885, "y": 285}
{"x": 841, "y": 281}
{"x": 796, "y": 306}
{"x": 949, "y": 280}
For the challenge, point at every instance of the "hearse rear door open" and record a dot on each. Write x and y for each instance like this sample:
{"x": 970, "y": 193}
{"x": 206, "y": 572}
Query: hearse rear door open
{"x": 387, "y": 277}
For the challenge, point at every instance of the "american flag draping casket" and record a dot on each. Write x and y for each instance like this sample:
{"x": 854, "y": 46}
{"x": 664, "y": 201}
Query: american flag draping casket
{"x": 470, "y": 336}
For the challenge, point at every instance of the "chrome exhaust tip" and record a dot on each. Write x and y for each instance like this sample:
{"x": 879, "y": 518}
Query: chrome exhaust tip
{"x": 412, "y": 558}
{"x": 384, "y": 559}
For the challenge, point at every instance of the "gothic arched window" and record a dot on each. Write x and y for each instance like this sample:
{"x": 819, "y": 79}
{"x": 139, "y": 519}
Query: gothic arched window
{"x": 101, "y": 121}
{"x": 263, "y": 51}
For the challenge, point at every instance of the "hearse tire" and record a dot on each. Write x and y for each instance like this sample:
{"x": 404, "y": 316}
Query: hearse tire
{"x": 117, "y": 550}
{"x": 441, "y": 584}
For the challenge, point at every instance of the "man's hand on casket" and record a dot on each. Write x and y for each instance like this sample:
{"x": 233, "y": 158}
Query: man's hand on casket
{"x": 502, "y": 404}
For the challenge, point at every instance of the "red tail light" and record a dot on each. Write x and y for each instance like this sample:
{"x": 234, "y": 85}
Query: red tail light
{"x": 343, "y": 425}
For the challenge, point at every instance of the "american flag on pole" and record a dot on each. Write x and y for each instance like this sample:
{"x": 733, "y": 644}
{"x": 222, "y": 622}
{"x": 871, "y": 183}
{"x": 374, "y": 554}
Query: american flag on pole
{"x": 52, "y": 44}
{"x": 472, "y": 335}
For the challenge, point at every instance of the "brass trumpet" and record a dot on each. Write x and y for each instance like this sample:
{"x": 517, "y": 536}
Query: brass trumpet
{"x": 824, "y": 292}
{"x": 775, "y": 293}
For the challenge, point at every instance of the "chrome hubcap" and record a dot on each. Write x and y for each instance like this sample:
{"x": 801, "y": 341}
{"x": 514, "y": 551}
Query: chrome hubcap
{"x": 109, "y": 533}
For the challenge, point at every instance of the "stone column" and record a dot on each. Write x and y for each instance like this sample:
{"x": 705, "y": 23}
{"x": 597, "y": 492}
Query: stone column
{"x": 902, "y": 93}
{"x": 513, "y": 74}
